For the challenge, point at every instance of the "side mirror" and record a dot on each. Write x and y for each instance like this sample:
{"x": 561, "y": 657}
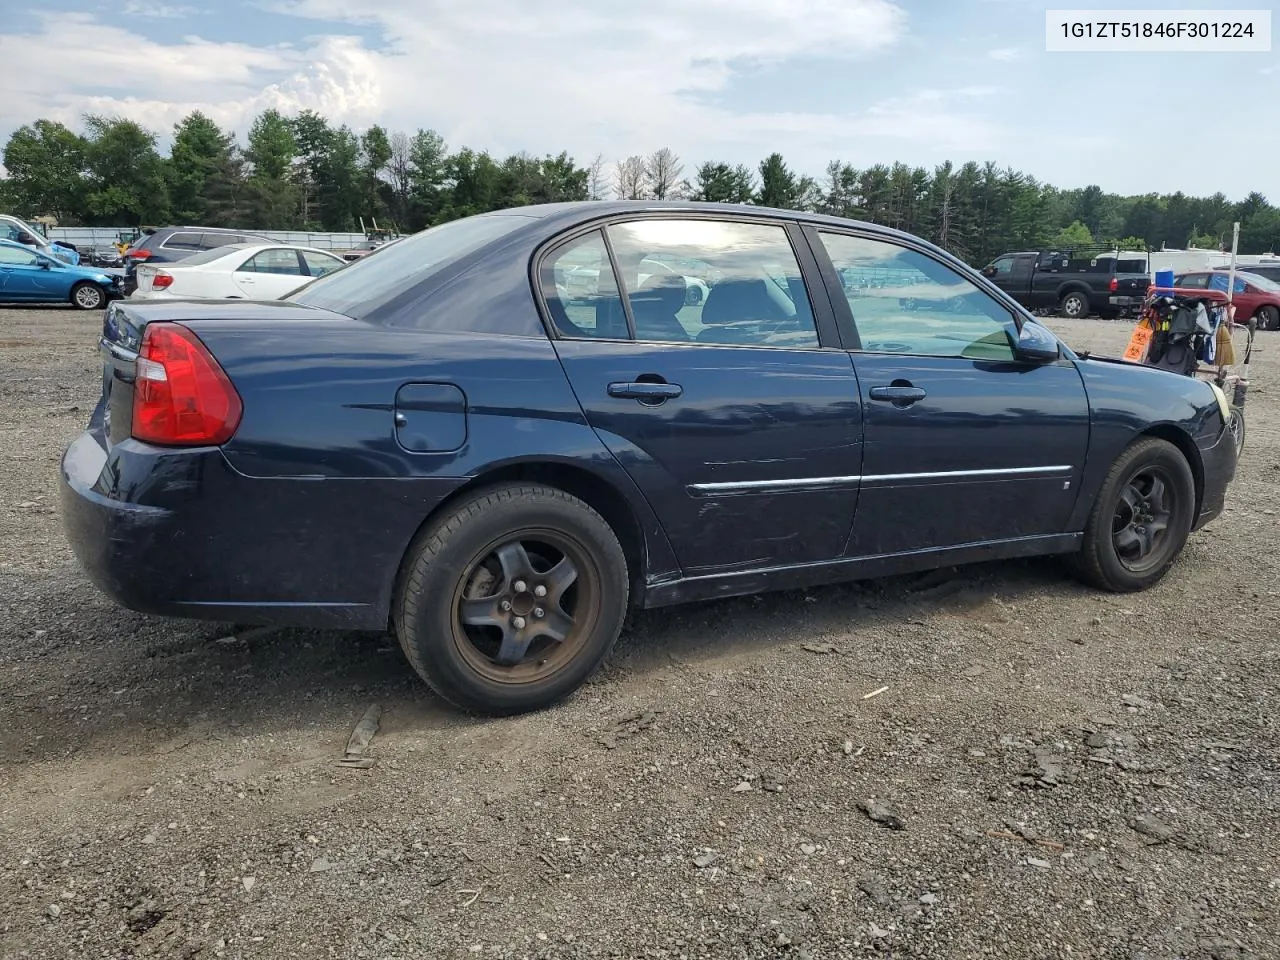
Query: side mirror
{"x": 988, "y": 271}
{"x": 46, "y": 265}
{"x": 1033, "y": 344}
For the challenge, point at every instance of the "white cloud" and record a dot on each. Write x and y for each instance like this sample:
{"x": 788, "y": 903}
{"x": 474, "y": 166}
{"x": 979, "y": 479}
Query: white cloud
{"x": 594, "y": 76}
{"x": 1005, "y": 54}
{"x": 158, "y": 11}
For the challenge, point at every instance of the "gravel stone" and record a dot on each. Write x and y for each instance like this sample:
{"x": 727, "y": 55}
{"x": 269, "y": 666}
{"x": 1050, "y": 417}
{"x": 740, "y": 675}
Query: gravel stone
{"x": 583, "y": 823}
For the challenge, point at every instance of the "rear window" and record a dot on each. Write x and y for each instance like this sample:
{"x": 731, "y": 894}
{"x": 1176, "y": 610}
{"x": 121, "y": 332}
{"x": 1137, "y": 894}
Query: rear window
{"x": 364, "y": 285}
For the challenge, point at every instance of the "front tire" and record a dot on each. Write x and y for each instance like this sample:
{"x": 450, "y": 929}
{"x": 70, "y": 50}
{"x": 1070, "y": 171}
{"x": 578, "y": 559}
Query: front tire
{"x": 88, "y": 296}
{"x": 1268, "y": 318}
{"x": 511, "y": 601}
{"x": 1075, "y": 305}
{"x": 1140, "y": 520}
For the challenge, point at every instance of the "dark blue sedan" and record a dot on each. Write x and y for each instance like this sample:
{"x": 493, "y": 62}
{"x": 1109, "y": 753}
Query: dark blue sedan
{"x": 496, "y": 436}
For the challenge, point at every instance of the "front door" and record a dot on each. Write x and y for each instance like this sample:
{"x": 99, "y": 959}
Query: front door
{"x": 962, "y": 444}
{"x": 741, "y": 425}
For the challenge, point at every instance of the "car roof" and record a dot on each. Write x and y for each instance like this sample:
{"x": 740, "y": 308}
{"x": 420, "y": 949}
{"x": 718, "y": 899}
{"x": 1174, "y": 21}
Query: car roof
{"x": 552, "y": 218}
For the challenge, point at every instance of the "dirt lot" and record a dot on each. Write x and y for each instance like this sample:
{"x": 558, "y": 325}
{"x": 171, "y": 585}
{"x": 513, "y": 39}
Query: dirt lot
{"x": 1079, "y": 775}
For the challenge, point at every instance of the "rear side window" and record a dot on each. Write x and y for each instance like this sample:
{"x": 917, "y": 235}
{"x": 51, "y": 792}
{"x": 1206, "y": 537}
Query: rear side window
{"x": 283, "y": 262}
{"x": 582, "y": 292}
{"x": 12, "y": 255}
{"x": 182, "y": 241}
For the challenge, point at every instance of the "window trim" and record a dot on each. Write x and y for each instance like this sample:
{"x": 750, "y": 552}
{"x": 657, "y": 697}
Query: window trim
{"x": 825, "y": 322}
{"x": 843, "y": 310}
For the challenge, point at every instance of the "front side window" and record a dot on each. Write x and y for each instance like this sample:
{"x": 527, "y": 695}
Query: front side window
{"x": 14, "y": 256}
{"x": 1219, "y": 282}
{"x": 713, "y": 282}
{"x": 318, "y": 264}
{"x": 1003, "y": 267}
{"x": 913, "y": 304}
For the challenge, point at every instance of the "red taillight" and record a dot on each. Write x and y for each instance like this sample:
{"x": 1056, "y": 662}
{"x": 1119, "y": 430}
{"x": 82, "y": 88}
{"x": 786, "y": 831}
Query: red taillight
{"x": 137, "y": 254}
{"x": 1115, "y": 284}
{"x": 161, "y": 280}
{"x": 181, "y": 396}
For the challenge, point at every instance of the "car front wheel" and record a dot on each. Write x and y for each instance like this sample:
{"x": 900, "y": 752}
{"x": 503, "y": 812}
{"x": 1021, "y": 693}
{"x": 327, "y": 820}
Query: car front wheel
{"x": 510, "y": 601}
{"x": 1140, "y": 520}
{"x": 88, "y": 296}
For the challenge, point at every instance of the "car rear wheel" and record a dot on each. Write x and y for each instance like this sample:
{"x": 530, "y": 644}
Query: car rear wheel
{"x": 1075, "y": 305}
{"x": 512, "y": 600}
{"x": 1268, "y": 318}
{"x": 88, "y": 296}
{"x": 1140, "y": 520}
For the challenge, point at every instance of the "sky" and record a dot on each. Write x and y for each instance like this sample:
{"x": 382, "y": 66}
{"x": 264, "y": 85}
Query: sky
{"x": 862, "y": 81}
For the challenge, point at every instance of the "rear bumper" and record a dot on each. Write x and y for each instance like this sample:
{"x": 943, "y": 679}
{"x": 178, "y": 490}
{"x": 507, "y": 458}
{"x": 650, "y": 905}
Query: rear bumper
{"x": 1218, "y": 459}
{"x": 181, "y": 533}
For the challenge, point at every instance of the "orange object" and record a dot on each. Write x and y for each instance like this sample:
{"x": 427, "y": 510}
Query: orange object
{"x": 1138, "y": 343}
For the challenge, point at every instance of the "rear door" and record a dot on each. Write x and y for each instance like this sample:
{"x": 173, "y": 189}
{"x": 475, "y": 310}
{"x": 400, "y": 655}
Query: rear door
{"x": 962, "y": 443}
{"x": 737, "y": 416}
{"x": 23, "y": 278}
{"x": 269, "y": 274}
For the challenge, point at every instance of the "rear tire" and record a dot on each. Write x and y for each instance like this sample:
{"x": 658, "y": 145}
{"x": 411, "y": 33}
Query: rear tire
{"x": 512, "y": 600}
{"x": 88, "y": 296}
{"x": 1140, "y": 520}
{"x": 1268, "y": 318}
{"x": 1075, "y": 305}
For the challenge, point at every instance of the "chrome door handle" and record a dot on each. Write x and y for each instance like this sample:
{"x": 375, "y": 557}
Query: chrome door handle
{"x": 645, "y": 392}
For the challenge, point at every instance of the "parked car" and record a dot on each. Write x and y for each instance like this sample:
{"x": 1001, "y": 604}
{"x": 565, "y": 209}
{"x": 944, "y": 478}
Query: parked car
{"x": 246, "y": 271}
{"x": 434, "y": 438}
{"x": 1255, "y": 297}
{"x": 174, "y": 244}
{"x": 1268, "y": 271}
{"x": 1077, "y": 285}
{"x": 31, "y": 276}
{"x": 105, "y": 257}
{"x": 29, "y": 235}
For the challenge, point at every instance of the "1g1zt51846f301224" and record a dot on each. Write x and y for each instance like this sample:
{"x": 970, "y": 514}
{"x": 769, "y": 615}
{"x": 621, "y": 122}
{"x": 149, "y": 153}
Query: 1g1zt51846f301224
{"x": 497, "y": 435}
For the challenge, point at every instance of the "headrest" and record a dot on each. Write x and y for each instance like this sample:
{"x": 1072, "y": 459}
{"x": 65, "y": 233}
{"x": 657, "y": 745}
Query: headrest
{"x": 731, "y": 301}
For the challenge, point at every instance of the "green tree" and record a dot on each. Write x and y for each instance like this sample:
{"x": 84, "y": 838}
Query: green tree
{"x": 46, "y": 164}
{"x": 126, "y": 174}
{"x": 779, "y": 187}
{"x": 428, "y": 175}
{"x": 272, "y": 197}
{"x": 205, "y": 173}
{"x": 375, "y": 149}
{"x": 1072, "y": 236}
{"x": 721, "y": 183}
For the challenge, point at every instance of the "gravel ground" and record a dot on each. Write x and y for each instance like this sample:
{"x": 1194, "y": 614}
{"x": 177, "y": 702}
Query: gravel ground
{"x": 1077, "y": 775}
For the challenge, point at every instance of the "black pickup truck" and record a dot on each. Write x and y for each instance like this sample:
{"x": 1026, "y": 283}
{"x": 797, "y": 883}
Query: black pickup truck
{"x": 1075, "y": 283}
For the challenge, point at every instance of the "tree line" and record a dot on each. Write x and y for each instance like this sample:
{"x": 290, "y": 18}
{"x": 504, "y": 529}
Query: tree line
{"x": 304, "y": 173}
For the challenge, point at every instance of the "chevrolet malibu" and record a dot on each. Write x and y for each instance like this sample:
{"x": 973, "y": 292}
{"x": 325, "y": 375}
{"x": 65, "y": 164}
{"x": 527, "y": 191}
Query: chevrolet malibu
{"x": 438, "y": 440}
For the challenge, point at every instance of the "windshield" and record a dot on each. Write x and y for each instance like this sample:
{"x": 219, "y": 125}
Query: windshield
{"x": 361, "y": 287}
{"x": 1261, "y": 282}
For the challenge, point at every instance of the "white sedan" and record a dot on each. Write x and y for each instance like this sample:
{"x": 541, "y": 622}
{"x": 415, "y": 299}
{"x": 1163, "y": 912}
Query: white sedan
{"x": 238, "y": 271}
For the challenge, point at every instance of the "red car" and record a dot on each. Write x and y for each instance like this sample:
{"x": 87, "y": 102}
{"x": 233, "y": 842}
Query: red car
{"x": 1255, "y": 297}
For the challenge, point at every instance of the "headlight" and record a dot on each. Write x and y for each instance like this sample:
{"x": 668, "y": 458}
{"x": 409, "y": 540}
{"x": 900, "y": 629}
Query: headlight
{"x": 1223, "y": 406}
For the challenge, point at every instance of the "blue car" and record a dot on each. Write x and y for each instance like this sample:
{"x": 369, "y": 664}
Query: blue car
{"x": 29, "y": 276}
{"x": 440, "y": 440}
